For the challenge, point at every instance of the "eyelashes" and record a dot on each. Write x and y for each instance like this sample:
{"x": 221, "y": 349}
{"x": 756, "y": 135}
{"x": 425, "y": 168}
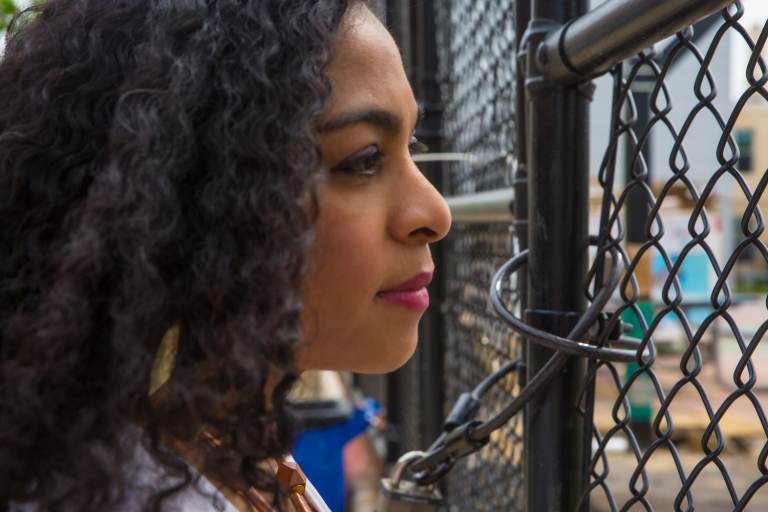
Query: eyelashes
{"x": 362, "y": 163}
{"x": 367, "y": 163}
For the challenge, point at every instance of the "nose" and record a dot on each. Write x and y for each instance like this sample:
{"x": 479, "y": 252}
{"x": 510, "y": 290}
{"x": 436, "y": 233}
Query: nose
{"x": 419, "y": 214}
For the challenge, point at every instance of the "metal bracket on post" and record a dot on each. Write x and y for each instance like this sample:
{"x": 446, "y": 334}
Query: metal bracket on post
{"x": 602, "y": 332}
{"x": 588, "y": 46}
{"x": 535, "y": 57}
{"x": 565, "y": 320}
{"x": 529, "y": 55}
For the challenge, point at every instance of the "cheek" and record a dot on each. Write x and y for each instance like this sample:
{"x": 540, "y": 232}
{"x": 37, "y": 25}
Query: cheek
{"x": 347, "y": 260}
{"x": 345, "y": 326}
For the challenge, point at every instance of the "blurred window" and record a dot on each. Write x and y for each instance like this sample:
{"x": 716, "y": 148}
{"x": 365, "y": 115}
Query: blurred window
{"x": 744, "y": 141}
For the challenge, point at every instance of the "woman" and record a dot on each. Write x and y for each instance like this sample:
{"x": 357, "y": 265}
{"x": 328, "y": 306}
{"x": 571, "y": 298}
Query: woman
{"x": 199, "y": 200}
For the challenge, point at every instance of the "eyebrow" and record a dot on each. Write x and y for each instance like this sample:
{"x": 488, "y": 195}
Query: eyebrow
{"x": 381, "y": 118}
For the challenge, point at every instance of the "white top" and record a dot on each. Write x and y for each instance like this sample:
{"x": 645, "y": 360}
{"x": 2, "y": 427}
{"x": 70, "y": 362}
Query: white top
{"x": 145, "y": 477}
{"x": 202, "y": 495}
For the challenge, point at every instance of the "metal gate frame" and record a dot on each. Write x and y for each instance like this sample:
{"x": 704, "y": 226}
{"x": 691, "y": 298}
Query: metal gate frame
{"x": 563, "y": 48}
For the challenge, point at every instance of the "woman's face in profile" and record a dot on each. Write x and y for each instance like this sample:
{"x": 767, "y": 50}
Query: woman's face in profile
{"x": 370, "y": 261}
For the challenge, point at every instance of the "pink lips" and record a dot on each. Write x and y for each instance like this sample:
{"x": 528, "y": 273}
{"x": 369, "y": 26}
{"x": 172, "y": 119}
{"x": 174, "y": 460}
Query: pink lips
{"x": 412, "y": 294}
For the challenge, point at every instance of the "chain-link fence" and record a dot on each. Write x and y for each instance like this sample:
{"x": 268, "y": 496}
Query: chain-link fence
{"x": 676, "y": 188}
{"x": 477, "y": 75}
{"x": 476, "y": 345}
{"x": 701, "y": 392}
{"x": 476, "y": 44}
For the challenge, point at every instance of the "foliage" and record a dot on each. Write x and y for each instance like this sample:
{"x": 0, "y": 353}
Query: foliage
{"x": 7, "y": 9}
{"x": 752, "y": 287}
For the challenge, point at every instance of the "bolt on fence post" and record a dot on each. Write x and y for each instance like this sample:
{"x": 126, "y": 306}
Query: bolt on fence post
{"x": 556, "y": 445}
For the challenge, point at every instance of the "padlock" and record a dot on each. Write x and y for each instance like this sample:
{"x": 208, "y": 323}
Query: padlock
{"x": 400, "y": 495}
{"x": 408, "y": 497}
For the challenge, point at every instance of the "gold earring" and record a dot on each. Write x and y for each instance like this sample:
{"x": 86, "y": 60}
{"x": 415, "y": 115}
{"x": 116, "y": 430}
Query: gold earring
{"x": 162, "y": 367}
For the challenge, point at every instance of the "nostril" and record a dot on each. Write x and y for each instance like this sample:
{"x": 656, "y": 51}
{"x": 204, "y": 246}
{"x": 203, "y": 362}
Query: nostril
{"x": 425, "y": 232}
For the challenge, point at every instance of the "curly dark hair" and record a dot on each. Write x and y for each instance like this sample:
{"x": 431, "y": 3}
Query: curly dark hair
{"x": 157, "y": 165}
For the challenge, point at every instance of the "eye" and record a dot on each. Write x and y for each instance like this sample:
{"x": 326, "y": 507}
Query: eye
{"x": 362, "y": 163}
{"x": 367, "y": 163}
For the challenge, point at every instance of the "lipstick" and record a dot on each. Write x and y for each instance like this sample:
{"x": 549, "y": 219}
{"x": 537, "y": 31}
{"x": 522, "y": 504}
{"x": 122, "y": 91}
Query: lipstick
{"x": 411, "y": 294}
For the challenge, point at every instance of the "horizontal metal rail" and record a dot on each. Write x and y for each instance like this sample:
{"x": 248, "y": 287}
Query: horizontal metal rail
{"x": 442, "y": 157}
{"x": 592, "y": 43}
{"x": 493, "y": 206}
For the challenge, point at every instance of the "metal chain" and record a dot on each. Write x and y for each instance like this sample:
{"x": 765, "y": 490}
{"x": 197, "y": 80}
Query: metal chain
{"x": 464, "y": 435}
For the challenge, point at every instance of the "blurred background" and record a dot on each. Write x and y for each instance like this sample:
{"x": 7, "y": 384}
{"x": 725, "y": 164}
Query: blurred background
{"x": 690, "y": 427}
{"x": 460, "y": 55}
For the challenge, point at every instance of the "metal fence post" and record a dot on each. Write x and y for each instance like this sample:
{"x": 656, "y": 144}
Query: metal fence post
{"x": 520, "y": 178}
{"x": 556, "y": 448}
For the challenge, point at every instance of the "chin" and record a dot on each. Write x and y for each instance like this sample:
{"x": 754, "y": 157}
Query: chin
{"x": 378, "y": 355}
{"x": 391, "y": 360}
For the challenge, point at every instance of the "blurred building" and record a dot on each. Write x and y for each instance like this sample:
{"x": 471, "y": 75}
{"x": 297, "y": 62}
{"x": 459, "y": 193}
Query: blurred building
{"x": 684, "y": 138}
{"x": 700, "y": 146}
{"x": 750, "y": 128}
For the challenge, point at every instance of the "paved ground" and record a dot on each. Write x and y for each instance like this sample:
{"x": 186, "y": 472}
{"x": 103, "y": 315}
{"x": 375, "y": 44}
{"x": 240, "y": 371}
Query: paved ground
{"x": 709, "y": 491}
{"x": 741, "y": 427}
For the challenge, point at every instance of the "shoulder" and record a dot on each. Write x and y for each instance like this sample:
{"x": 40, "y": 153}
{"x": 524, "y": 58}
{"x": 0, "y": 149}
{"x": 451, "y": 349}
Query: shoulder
{"x": 144, "y": 478}
{"x": 198, "y": 495}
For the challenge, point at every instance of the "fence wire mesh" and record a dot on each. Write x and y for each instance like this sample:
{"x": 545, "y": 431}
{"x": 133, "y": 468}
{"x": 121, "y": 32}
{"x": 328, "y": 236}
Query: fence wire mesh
{"x": 477, "y": 344}
{"x": 476, "y": 41}
{"x": 701, "y": 394}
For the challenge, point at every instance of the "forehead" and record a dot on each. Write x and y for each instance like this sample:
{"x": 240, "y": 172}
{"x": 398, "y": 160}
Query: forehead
{"x": 366, "y": 68}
